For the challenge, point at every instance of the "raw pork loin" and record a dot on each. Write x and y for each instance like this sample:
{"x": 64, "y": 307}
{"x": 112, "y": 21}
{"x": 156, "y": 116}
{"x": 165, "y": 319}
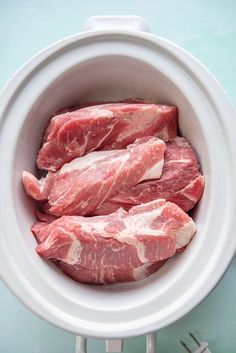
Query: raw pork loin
{"x": 81, "y": 186}
{"x": 181, "y": 182}
{"x": 119, "y": 247}
{"x": 106, "y": 126}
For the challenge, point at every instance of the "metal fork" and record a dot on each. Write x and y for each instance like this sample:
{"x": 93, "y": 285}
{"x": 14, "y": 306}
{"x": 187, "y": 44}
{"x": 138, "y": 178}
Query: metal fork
{"x": 202, "y": 347}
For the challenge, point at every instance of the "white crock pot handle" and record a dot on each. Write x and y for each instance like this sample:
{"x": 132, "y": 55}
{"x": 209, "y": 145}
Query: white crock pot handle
{"x": 134, "y": 23}
{"x": 117, "y": 344}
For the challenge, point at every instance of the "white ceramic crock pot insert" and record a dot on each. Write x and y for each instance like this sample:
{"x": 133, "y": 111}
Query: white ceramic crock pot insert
{"x": 115, "y": 64}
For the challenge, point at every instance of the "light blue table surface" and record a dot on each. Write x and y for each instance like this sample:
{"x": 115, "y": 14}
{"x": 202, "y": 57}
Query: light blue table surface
{"x": 207, "y": 29}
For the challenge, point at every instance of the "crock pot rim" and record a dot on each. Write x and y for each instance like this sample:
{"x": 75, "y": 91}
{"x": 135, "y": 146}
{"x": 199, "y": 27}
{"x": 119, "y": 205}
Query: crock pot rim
{"x": 15, "y": 84}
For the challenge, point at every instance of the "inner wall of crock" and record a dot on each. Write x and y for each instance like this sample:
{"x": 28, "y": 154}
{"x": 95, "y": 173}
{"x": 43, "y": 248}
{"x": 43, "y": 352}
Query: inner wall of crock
{"x": 107, "y": 78}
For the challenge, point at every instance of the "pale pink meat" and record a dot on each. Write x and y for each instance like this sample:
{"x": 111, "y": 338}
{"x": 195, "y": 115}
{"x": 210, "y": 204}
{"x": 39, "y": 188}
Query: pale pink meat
{"x": 109, "y": 276}
{"x": 119, "y": 247}
{"x": 181, "y": 182}
{"x": 81, "y": 186}
{"x": 106, "y": 126}
{"x": 85, "y": 275}
{"x": 37, "y": 189}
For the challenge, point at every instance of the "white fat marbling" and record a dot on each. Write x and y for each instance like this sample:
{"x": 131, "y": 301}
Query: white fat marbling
{"x": 185, "y": 234}
{"x": 140, "y": 272}
{"x": 155, "y": 172}
{"x": 186, "y": 193}
{"x": 86, "y": 161}
{"x": 182, "y": 161}
{"x": 74, "y": 252}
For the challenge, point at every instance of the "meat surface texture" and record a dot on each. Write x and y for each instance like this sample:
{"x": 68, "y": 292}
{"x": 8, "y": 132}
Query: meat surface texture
{"x": 82, "y": 185}
{"x": 123, "y": 246}
{"x": 72, "y": 134}
{"x": 181, "y": 182}
{"x": 118, "y": 185}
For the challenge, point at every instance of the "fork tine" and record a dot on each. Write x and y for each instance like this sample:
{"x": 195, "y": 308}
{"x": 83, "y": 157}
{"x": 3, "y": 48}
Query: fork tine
{"x": 186, "y": 347}
{"x": 195, "y": 339}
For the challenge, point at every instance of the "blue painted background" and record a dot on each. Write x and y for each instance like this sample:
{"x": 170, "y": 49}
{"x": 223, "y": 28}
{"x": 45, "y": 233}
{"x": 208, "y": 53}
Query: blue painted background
{"x": 205, "y": 28}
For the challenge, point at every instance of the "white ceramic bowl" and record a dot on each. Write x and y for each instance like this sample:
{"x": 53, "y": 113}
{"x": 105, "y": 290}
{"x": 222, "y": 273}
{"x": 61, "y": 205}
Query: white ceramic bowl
{"x": 115, "y": 64}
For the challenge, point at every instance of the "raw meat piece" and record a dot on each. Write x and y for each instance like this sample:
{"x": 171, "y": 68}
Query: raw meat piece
{"x": 118, "y": 247}
{"x": 181, "y": 182}
{"x": 72, "y": 108}
{"x": 85, "y": 183}
{"x": 105, "y": 126}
